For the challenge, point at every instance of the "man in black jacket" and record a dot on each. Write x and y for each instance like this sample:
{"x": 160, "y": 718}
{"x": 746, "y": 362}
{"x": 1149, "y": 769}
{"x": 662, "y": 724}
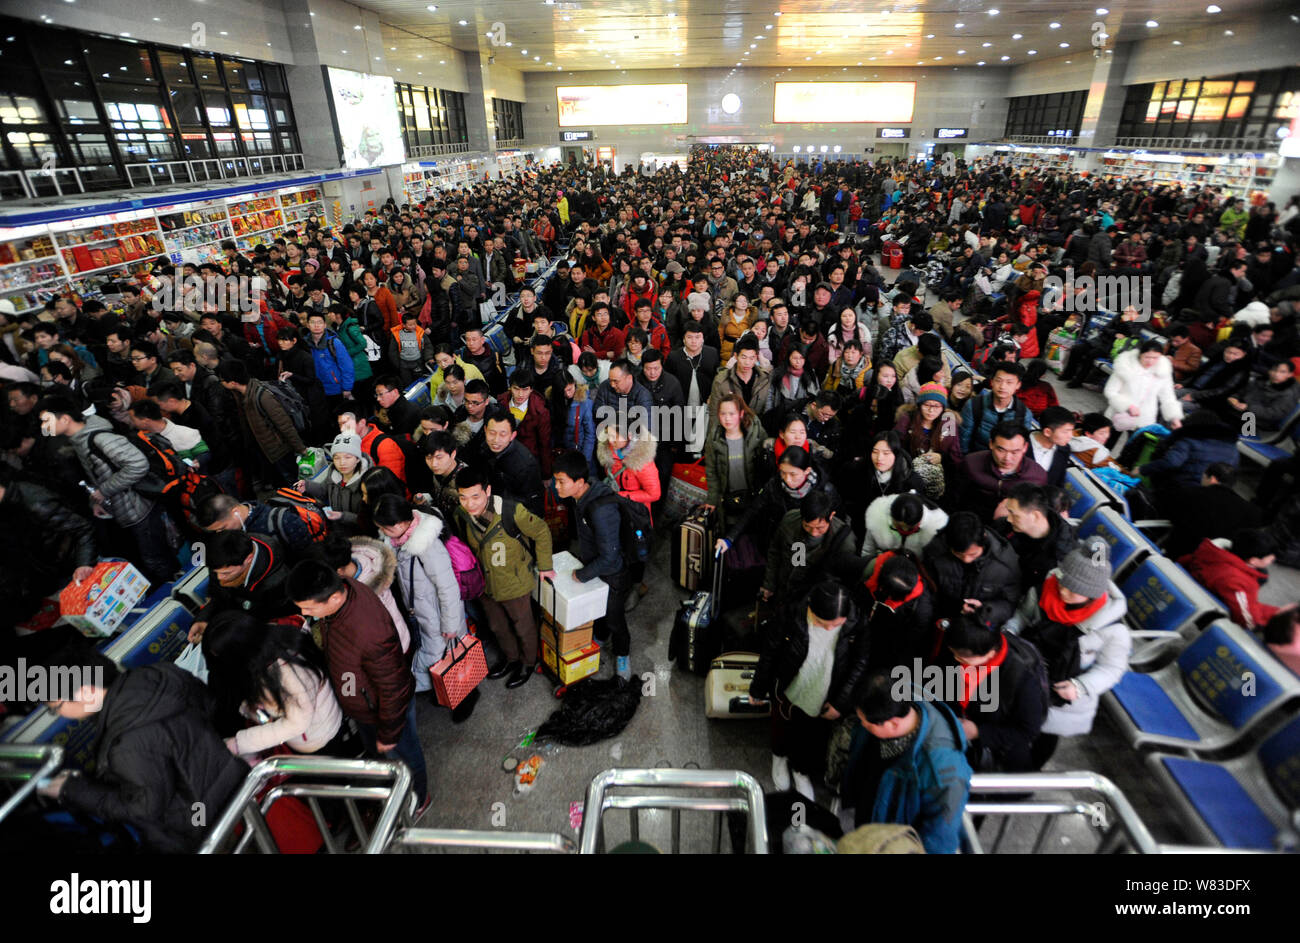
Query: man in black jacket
{"x": 1214, "y": 509}
{"x": 975, "y": 571}
{"x": 1004, "y": 713}
{"x": 515, "y": 472}
{"x": 160, "y": 767}
{"x": 249, "y": 575}
{"x": 669, "y": 423}
{"x": 1037, "y": 533}
{"x": 694, "y": 364}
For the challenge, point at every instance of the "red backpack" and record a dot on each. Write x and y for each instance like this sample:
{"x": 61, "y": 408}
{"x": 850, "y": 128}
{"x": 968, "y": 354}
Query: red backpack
{"x": 307, "y": 508}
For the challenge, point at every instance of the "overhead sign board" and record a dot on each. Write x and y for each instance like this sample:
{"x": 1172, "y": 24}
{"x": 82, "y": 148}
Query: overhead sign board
{"x": 893, "y": 132}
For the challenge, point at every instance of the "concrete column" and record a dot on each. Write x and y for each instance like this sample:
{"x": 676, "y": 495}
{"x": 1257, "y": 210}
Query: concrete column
{"x": 1105, "y": 104}
{"x": 478, "y": 105}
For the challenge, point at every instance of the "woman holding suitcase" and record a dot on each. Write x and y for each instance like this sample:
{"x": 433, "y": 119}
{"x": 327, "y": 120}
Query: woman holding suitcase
{"x": 814, "y": 655}
{"x": 732, "y": 454}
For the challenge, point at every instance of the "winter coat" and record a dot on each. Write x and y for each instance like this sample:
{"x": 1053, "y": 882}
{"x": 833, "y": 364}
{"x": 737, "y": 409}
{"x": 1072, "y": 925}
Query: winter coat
{"x": 730, "y": 330}
{"x": 354, "y": 341}
{"x": 1271, "y": 403}
{"x": 1190, "y": 451}
{"x": 514, "y": 473}
{"x": 534, "y": 431}
{"x": 993, "y": 578}
{"x": 510, "y": 565}
{"x": 1152, "y": 391}
{"x": 899, "y": 630}
{"x": 367, "y": 667}
{"x": 608, "y": 344}
{"x": 979, "y": 417}
{"x": 633, "y": 474}
{"x": 579, "y": 430}
{"x": 115, "y": 467}
{"x": 725, "y": 383}
{"x": 785, "y": 648}
{"x": 599, "y": 535}
{"x": 789, "y": 575}
{"x": 947, "y": 443}
{"x": 344, "y": 498}
{"x": 835, "y": 342}
{"x": 377, "y": 568}
{"x": 717, "y": 466}
{"x": 61, "y": 539}
{"x": 983, "y": 487}
{"x": 1039, "y": 557}
{"x": 430, "y": 591}
{"x": 334, "y": 364}
{"x": 926, "y": 788}
{"x": 765, "y": 509}
{"x": 609, "y": 406}
{"x": 269, "y": 425}
{"x": 263, "y": 594}
{"x": 156, "y": 755}
{"x": 1104, "y": 647}
{"x": 882, "y": 536}
{"x": 1234, "y": 581}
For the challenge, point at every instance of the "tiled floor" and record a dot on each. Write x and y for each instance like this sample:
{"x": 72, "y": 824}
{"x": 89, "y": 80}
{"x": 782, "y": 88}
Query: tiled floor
{"x": 472, "y": 790}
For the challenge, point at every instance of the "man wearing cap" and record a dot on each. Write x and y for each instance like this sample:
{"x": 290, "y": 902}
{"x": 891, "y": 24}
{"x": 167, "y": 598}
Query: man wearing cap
{"x": 907, "y": 764}
{"x": 1076, "y": 621}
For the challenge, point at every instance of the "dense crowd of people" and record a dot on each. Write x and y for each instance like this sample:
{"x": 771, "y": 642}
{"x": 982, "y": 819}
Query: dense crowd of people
{"x": 885, "y": 511}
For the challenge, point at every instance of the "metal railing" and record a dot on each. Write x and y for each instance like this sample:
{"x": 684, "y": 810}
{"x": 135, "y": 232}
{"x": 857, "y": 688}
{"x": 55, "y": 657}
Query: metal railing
{"x": 446, "y": 839}
{"x": 27, "y": 765}
{"x": 724, "y": 791}
{"x": 437, "y": 150}
{"x": 1062, "y": 139}
{"x": 312, "y": 778}
{"x": 204, "y": 170}
{"x": 1052, "y": 796}
{"x": 1254, "y": 143}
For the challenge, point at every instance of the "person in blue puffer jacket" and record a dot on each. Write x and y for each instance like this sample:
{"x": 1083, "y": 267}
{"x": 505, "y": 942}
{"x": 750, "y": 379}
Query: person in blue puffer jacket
{"x": 907, "y": 763}
{"x": 1181, "y": 461}
{"x": 333, "y": 362}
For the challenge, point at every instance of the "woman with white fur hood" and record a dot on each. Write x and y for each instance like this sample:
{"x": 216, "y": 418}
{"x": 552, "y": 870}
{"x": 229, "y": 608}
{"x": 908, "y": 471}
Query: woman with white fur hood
{"x": 1141, "y": 389}
{"x": 428, "y": 584}
{"x": 1076, "y": 620}
{"x": 901, "y": 522}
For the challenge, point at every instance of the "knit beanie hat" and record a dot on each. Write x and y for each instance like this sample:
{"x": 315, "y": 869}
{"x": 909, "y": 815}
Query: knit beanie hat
{"x": 1086, "y": 569}
{"x": 698, "y": 300}
{"x": 933, "y": 393}
{"x": 347, "y": 444}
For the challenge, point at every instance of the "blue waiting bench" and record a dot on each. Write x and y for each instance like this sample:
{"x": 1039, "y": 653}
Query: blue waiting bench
{"x": 1247, "y": 803}
{"x": 1220, "y": 690}
{"x": 1166, "y": 609}
{"x": 1128, "y": 545}
{"x": 1264, "y": 450}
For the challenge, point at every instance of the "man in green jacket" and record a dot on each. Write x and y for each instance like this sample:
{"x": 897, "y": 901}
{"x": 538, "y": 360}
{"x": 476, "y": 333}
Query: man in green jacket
{"x": 507, "y": 565}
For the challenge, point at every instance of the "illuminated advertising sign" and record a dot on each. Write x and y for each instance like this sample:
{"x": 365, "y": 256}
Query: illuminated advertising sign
{"x": 621, "y": 104}
{"x": 843, "y": 102}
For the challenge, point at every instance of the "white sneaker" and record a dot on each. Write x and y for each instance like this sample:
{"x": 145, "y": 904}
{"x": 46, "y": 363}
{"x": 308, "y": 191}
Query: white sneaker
{"x": 803, "y": 785}
{"x": 781, "y": 773}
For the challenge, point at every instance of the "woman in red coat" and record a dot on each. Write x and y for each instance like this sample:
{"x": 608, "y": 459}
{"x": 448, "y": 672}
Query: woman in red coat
{"x": 630, "y": 466}
{"x": 1027, "y": 314}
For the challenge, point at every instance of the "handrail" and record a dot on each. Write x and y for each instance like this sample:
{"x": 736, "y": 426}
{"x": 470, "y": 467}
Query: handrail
{"x": 598, "y": 800}
{"x": 483, "y": 840}
{"x": 386, "y": 782}
{"x": 1126, "y": 819}
{"x": 48, "y": 756}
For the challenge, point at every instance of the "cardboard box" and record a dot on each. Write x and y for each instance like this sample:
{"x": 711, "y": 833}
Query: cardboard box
{"x": 569, "y": 640}
{"x": 572, "y": 666}
{"x": 571, "y": 603}
{"x": 98, "y": 606}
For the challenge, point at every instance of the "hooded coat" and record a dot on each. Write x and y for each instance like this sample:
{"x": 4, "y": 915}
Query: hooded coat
{"x": 1151, "y": 391}
{"x": 882, "y": 536}
{"x": 156, "y": 755}
{"x": 377, "y": 568}
{"x": 430, "y": 591}
{"x": 332, "y": 492}
{"x": 633, "y": 473}
{"x": 1234, "y": 581}
{"x": 1104, "y": 647}
{"x": 114, "y": 466}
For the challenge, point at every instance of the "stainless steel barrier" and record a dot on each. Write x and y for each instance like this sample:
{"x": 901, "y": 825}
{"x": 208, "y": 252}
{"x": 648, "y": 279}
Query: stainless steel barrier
{"x": 312, "y": 778}
{"x": 445, "y": 839}
{"x": 27, "y": 765}
{"x": 724, "y": 791}
{"x": 1051, "y": 796}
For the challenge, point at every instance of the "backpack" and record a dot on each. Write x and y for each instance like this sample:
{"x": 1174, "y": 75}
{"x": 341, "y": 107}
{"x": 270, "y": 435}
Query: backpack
{"x": 1059, "y": 646}
{"x": 189, "y": 488}
{"x": 153, "y": 484}
{"x": 290, "y": 401}
{"x": 307, "y": 508}
{"x": 469, "y": 573}
{"x": 634, "y": 527}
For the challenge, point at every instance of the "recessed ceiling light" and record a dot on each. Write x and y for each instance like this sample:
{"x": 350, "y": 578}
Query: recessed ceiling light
{"x": 929, "y": 35}
{"x": 1005, "y": 58}
{"x": 937, "y": 58}
{"x": 510, "y": 45}
{"x": 986, "y": 45}
{"x": 537, "y": 58}
{"x": 1178, "y": 42}
{"x": 581, "y": 29}
{"x": 1053, "y": 25}
{"x": 344, "y": 51}
{"x": 1033, "y": 52}
{"x": 889, "y": 52}
{"x": 392, "y": 49}
{"x": 1017, "y": 35}
{"x": 777, "y": 13}
{"x": 444, "y": 62}
{"x": 908, "y": 45}
{"x": 753, "y": 45}
{"x": 419, "y": 56}
{"x": 805, "y": 59}
{"x": 1214, "y": 8}
{"x": 124, "y": 34}
{"x": 981, "y": 62}
{"x": 768, "y": 26}
{"x": 1152, "y": 24}
{"x": 224, "y": 33}
{"x": 1102, "y": 11}
{"x": 463, "y": 22}
{"x": 994, "y": 12}
{"x": 958, "y": 25}
{"x": 358, "y": 26}
{"x": 1228, "y": 32}
{"x": 524, "y": 51}
{"x": 1064, "y": 45}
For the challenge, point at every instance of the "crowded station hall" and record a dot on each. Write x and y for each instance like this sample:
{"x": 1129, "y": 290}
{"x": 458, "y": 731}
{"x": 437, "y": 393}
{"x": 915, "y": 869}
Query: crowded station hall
{"x": 484, "y": 426}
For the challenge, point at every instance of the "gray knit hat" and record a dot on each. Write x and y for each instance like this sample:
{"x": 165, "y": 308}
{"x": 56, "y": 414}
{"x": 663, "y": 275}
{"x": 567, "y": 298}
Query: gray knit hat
{"x": 1086, "y": 569}
{"x": 348, "y": 444}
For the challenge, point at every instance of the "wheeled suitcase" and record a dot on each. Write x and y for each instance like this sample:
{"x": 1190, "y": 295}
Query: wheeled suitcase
{"x": 693, "y": 541}
{"x": 695, "y": 637}
{"x": 726, "y": 688}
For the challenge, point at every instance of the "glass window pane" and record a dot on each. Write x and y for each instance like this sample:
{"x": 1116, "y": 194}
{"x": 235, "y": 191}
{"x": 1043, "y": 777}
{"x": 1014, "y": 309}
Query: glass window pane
{"x": 1210, "y": 109}
{"x": 421, "y": 110}
{"x": 1238, "y": 105}
{"x": 1191, "y": 89}
{"x": 185, "y": 103}
{"x": 236, "y": 74}
{"x": 1245, "y": 86}
{"x": 273, "y": 76}
{"x": 194, "y": 142}
{"x": 1158, "y": 90}
{"x": 217, "y": 109}
{"x": 1173, "y": 89}
{"x": 176, "y": 70}
{"x": 280, "y": 111}
{"x": 15, "y": 109}
{"x": 1216, "y": 88}
{"x": 126, "y": 61}
{"x": 205, "y": 68}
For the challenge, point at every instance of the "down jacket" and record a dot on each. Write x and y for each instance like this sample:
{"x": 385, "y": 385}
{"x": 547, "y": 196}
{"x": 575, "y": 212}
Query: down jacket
{"x": 882, "y": 536}
{"x": 115, "y": 466}
{"x": 377, "y": 568}
{"x": 633, "y": 474}
{"x": 993, "y": 578}
{"x": 431, "y": 592}
{"x": 1152, "y": 391}
{"x": 1104, "y": 646}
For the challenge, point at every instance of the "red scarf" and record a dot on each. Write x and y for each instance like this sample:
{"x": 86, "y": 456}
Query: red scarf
{"x": 1060, "y": 612}
{"x": 971, "y": 675}
{"x": 780, "y": 447}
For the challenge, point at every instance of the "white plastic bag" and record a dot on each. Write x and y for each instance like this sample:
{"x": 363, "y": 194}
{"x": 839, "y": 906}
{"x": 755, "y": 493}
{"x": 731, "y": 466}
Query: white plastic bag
{"x": 191, "y": 659}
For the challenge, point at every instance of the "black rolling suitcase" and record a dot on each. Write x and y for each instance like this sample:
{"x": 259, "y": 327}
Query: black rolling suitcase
{"x": 692, "y": 553}
{"x": 696, "y": 637}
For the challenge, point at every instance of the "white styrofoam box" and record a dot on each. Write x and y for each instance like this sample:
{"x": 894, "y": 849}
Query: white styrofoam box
{"x": 572, "y": 603}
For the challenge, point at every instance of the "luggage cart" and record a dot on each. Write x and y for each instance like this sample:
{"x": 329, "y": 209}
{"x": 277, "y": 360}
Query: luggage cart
{"x": 559, "y": 686}
{"x": 26, "y": 765}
